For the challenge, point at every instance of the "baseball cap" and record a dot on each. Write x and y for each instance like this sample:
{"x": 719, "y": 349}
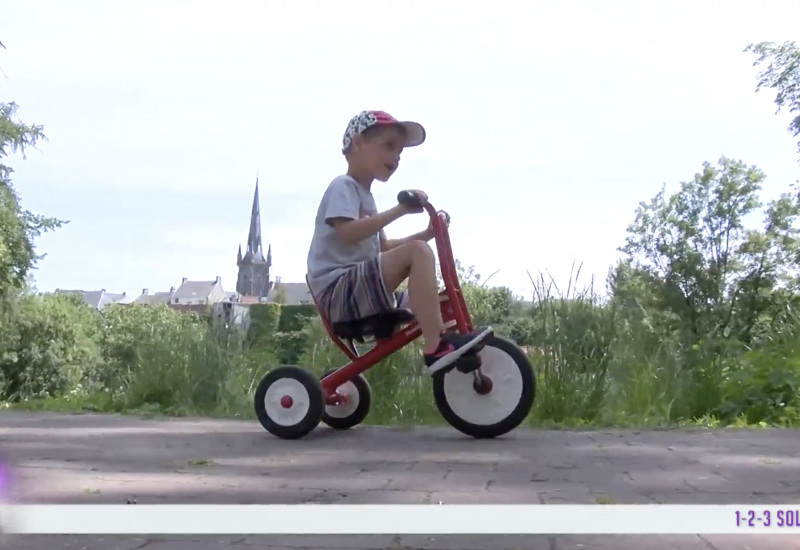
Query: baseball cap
{"x": 415, "y": 133}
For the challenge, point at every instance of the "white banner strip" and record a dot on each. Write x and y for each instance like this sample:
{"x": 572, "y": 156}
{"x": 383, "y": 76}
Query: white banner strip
{"x": 399, "y": 519}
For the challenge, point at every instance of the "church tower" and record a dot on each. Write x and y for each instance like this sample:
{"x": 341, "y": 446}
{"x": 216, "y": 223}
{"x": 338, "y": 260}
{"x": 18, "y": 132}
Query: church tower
{"x": 253, "y": 267}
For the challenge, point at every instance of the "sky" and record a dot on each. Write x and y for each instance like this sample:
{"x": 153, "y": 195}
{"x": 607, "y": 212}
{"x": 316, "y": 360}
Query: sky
{"x": 547, "y": 124}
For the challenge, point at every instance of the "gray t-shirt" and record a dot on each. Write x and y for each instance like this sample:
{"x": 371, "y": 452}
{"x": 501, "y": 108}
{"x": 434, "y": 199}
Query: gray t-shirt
{"x": 328, "y": 257}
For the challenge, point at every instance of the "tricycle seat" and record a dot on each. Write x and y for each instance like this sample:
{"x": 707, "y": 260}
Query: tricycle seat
{"x": 381, "y": 325}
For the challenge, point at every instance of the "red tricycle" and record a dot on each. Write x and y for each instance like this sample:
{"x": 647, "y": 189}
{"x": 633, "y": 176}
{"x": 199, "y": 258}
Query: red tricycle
{"x": 487, "y": 402}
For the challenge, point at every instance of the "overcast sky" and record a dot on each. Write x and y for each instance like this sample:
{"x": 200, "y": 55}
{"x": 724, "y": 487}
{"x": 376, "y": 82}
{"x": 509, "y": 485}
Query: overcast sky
{"x": 547, "y": 123}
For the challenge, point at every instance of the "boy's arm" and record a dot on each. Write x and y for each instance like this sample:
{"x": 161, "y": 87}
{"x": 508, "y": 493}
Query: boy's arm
{"x": 352, "y": 230}
{"x": 343, "y": 211}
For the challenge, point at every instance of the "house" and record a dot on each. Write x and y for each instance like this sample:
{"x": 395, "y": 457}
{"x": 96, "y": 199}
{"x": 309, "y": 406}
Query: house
{"x": 157, "y": 298}
{"x": 250, "y": 300}
{"x": 99, "y": 299}
{"x": 230, "y": 314}
{"x": 290, "y": 294}
{"x": 197, "y": 295}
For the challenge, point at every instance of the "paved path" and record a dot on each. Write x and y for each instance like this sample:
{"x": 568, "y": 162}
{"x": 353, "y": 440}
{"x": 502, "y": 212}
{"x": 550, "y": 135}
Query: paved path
{"x": 108, "y": 459}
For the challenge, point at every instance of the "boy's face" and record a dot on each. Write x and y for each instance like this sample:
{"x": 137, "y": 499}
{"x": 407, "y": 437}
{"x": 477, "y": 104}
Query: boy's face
{"x": 378, "y": 150}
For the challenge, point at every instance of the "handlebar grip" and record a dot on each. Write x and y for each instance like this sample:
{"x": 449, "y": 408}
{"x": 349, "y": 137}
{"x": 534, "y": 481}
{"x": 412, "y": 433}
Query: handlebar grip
{"x": 409, "y": 199}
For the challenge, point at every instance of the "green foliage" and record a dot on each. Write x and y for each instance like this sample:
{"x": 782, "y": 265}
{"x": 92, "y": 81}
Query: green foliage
{"x": 695, "y": 259}
{"x": 782, "y": 75}
{"x": 487, "y": 305}
{"x": 764, "y": 386}
{"x": 280, "y": 329}
{"x": 55, "y": 348}
{"x": 18, "y": 227}
{"x": 294, "y": 317}
{"x": 26, "y": 361}
{"x": 175, "y": 361}
{"x": 264, "y": 320}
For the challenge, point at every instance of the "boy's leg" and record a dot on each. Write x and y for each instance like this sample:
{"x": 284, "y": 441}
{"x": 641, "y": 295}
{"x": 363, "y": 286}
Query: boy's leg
{"x": 415, "y": 261}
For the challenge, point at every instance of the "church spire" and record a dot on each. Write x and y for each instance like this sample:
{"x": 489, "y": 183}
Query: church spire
{"x": 254, "y": 236}
{"x": 254, "y": 277}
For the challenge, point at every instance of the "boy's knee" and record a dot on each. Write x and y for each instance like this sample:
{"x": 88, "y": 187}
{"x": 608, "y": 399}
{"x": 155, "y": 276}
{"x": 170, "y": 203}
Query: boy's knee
{"x": 421, "y": 251}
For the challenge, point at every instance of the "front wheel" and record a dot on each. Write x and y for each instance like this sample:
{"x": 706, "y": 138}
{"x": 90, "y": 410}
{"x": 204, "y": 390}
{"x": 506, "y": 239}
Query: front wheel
{"x": 490, "y": 409}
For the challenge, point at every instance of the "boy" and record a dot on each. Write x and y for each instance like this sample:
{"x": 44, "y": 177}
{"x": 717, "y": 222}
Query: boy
{"x": 353, "y": 269}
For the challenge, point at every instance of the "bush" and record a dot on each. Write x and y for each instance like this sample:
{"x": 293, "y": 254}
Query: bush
{"x": 764, "y": 386}
{"x": 177, "y": 362}
{"x": 264, "y": 321}
{"x": 294, "y": 318}
{"x": 55, "y": 347}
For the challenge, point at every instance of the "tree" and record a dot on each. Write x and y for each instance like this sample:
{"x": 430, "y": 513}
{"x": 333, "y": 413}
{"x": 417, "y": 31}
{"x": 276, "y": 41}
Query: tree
{"x": 18, "y": 227}
{"x": 782, "y": 74}
{"x": 699, "y": 260}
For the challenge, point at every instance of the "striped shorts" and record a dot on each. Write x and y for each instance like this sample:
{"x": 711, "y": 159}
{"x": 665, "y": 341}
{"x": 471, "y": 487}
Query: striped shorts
{"x": 359, "y": 293}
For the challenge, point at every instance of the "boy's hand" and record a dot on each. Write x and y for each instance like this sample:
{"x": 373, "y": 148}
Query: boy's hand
{"x": 415, "y": 209}
{"x": 445, "y": 217}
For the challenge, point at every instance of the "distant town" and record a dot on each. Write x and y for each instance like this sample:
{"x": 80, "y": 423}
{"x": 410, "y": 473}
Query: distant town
{"x": 253, "y": 285}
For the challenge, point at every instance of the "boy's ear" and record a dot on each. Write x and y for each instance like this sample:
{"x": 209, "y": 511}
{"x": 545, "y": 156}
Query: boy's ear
{"x": 359, "y": 140}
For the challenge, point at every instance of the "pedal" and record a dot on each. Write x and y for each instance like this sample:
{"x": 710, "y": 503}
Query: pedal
{"x": 467, "y": 363}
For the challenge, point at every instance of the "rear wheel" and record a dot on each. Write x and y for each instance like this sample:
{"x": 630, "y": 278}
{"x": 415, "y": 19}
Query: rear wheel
{"x": 355, "y": 410}
{"x": 496, "y": 404}
{"x": 289, "y": 402}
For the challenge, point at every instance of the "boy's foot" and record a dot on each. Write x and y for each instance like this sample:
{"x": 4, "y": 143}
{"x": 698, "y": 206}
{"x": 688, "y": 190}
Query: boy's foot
{"x": 453, "y": 346}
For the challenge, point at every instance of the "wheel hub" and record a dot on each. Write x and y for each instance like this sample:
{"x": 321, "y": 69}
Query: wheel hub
{"x": 482, "y": 384}
{"x": 337, "y": 398}
{"x": 287, "y": 401}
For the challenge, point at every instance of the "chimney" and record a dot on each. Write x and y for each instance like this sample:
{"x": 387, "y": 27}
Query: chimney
{"x": 183, "y": 280}
{"x": 171, "y": 289}
{"x": 144, "y": 292}
{"x": 218, "y": 280}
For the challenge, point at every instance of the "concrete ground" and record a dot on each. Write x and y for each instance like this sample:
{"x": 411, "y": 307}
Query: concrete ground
{"x": 111, "y": 459}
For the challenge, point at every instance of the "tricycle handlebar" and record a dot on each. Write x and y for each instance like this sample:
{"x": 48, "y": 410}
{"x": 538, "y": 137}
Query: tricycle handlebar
{"x": 411, "y": 200}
